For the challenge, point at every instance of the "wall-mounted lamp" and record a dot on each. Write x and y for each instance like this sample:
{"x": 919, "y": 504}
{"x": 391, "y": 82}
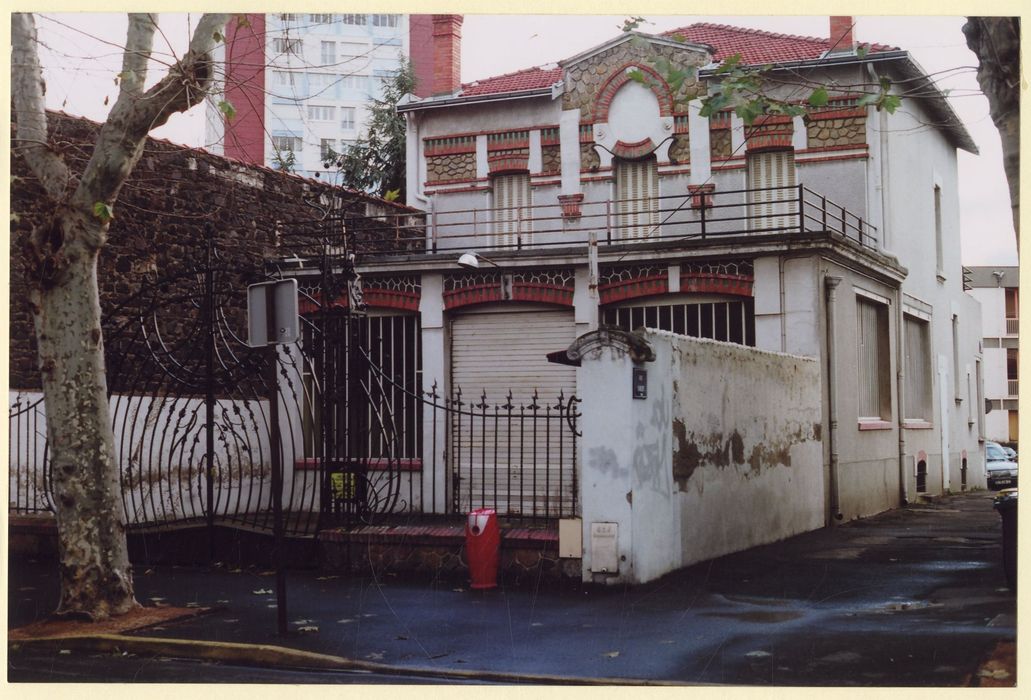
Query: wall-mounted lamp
{"x": 471, "y": 261}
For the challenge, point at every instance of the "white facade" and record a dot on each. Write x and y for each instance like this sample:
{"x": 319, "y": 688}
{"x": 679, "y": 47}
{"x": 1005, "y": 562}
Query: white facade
{"x": 996, "y": 289}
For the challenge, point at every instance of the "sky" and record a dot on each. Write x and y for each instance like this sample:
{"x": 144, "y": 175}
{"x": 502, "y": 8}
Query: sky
{"x": 81, "y": 55}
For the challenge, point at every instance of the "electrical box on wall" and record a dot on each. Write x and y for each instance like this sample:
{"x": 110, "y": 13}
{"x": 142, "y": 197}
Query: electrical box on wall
{"x": 570, "y": 538}
{"x": 640, "y": 383}
{"x": 605, "y": 548}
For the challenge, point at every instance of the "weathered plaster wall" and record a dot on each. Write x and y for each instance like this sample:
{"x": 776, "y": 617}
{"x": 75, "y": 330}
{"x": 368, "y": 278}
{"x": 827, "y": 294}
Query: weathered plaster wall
{"x": 747, "y": 454}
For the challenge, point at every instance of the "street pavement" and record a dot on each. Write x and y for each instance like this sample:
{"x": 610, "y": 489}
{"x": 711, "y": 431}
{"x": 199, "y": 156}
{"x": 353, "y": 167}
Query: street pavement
{"x": 912, "y": 597}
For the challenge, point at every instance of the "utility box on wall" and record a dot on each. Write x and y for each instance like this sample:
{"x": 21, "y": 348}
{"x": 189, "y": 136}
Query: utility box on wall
{"x": 605, "y": 548}
{"x": 570, "y": 538}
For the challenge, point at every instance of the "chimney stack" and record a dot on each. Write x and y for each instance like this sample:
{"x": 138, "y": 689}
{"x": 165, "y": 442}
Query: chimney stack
{"x": 420, "y": 42}
{"x": 841, "y": 35}
{"x": 447, "y": 54}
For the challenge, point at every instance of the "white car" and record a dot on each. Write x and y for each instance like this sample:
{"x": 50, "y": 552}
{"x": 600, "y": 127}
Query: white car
{"x": 1002, "y": 472}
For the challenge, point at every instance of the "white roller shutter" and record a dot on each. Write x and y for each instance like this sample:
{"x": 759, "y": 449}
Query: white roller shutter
{"x": 637, "y": 190}
{"x": 498, "y": 464}
{"x": 772, "y": 208}
{"x": 512, "y": 209}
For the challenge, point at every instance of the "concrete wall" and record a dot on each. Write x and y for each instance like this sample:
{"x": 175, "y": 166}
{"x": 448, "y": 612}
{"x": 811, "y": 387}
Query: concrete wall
{"x": 723, "y": 454}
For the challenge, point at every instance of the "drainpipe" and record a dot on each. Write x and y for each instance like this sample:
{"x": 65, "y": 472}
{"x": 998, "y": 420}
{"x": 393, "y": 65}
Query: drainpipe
{"x": 900, "y": 361}
{"x": 831, "y": 283}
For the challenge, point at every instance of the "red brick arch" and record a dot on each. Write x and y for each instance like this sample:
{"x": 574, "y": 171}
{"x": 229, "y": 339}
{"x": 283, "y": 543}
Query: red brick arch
{"x": 619, "y": 78}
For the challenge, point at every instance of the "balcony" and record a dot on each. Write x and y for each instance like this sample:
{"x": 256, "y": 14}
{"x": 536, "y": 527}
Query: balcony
{"x": 701, "y": 215}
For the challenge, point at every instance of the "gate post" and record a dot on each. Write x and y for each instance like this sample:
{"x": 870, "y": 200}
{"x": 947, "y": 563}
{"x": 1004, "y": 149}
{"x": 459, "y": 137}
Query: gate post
{"x": 434, "y": 421}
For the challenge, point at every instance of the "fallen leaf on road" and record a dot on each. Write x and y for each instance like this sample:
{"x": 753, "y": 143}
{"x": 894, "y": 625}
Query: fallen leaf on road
{"x": 375, "y": 656}
{"x": 458, "y": 590}
{"x": 65, "y": 651}
{"x": 325, "y": 578}
{"x": 148, "y": 572}
{"x": 301, "y": 622}
{"x": 27, "y": 588}
{"x": 536, "y": 624}
{"x": 758, "y": 654}
{"x": 221, "y": 601}
{"x": 193, "y": 605}
{"x": 230, "y": 619}
{"x": 157, "y": 599}
{"x": 611, "y": 654}
{"x": 310, "y": 629}
{"x": 344, "y": 621}
{"x": 998, "y": 674}
{"x": 235, "y": 571}
{"x": 368, "y": 614}
{"x": 262, "y": 591}
{"x": 266, "y": 573}
{"x": 271, "y": 605}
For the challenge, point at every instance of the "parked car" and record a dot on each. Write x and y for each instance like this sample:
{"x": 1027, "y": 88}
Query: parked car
{"x": 1010, "y": 452}
{"x": 1002, "y": 471}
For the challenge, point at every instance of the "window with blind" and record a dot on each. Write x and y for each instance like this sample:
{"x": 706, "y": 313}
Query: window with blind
{"x": 637, "y": 191}
{"x": 873, "y": 360}
{"x": 772, "y": 192}
{"x": 511, "y": 209}
{"x": 918, "y": 369}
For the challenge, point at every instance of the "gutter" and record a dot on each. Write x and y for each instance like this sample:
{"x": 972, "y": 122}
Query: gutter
{"x": 831, "y": 284}
{"x": 436, "y": 103}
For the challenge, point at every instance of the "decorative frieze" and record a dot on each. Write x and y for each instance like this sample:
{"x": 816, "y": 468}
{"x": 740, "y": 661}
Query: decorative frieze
{"x": 545, "y": 286}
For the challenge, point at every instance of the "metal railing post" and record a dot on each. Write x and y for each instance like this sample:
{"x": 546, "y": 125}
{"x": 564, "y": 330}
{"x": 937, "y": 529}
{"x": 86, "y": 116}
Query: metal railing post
{"x": 801, "y": 208}
{"x": 608, "y": 221}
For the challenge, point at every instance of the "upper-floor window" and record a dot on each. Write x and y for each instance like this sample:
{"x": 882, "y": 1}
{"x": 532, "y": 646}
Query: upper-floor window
{"x": 329, "y": 53}
{"x": 1012, "y": 310}
{"x": 637, "y": 189}
{"x": 321, "y": 19}
{"x": 282, "y": 77}
{"x": 939, "y": 244}
{"x": 511, "y": 209}
{"x": 321, "y": 113}
{"x": 287, "y": 17}
{"x": 353, "y": 19}
{"x": 1012, "y": 364}
{"x": 347, "y": 118}
{"x": 327, "y": 147}
{"x": 287, "y": 45}
{"x": 874, "y": 361}
{"x": 385, "y": 20}
{"x": 772, "y": 192}
{"x": 293, "y": 144}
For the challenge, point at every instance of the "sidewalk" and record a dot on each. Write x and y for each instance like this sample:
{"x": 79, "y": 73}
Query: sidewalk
{"x": 911, "y": 597}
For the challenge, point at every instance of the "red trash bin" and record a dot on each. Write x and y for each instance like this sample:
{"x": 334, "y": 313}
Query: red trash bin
{"x": 482, "y": 542}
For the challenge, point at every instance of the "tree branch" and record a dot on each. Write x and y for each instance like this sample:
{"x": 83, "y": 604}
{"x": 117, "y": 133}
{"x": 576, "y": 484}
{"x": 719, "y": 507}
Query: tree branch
{"x": 134, "y": 115}
{"x": 27, "y": 90}
{"x": 138, "y": 44}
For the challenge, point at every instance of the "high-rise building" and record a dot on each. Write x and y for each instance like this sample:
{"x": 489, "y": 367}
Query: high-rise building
{"x": 997, "y": 288}
{"x": 300, "y": 84}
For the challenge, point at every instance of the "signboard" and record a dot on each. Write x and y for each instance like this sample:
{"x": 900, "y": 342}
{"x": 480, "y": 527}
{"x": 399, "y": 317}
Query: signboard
{"x": 272, "y": 314}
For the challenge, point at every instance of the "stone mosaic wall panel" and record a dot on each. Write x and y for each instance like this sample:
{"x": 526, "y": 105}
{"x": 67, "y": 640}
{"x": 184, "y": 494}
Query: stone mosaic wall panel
{"x": 720, "y": 146}
{"x": 846, "y": 131}
{"x": 551, "y": 159}
{"x": 458, "y": 166}
{"x": 680, "y": 149}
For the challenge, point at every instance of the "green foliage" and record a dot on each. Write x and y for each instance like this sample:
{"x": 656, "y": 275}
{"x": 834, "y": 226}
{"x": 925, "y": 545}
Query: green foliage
{"x": 103, "y": 212}
{"x": 819, "y": 97}
{"x": 632, "y": 23}
{"x": 226, "y": 107}
{"x": 376, "y": 161}
{"x": 284, "y": 160}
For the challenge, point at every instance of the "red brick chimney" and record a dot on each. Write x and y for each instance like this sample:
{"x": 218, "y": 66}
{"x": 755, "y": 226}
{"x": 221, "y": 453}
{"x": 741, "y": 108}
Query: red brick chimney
{"x": 244, "y": 137}
{"x": 447, "y": 54}
{"x": 841, "y": 35}
{"x": 420, "y": 51}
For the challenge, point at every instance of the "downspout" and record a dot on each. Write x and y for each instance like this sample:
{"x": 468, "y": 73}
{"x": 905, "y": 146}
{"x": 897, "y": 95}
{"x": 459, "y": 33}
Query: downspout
{"x": 900, "y": 361}
{"x": 831, "y": 283}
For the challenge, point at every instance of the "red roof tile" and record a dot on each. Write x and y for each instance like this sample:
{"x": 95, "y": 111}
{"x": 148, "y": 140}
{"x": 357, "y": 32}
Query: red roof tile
{"x": 528, "y": 79}
{"x": 757, "y": 46}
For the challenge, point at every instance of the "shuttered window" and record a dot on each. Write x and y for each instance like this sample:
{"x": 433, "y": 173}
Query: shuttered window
{"x": 772, "y": 197}
{"x": 873, "y": 360}
{"x": 918, "y": 369}
{"x": 637, "y": 191}
{"x": 512, "y": 210}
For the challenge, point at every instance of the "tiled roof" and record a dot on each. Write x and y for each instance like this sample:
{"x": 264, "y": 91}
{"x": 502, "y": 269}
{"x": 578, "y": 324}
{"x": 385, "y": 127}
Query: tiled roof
{"x": 757, "y": 46}
{"x": 529, "y": 79}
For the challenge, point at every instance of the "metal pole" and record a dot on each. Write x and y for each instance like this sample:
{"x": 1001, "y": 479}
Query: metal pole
{"x": 277, "y": 483}
{"x": 209, "y": 395}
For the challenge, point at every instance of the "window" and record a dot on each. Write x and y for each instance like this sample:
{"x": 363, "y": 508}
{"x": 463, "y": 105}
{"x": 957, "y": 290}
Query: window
{"x": 918, "y": 369}
{"x": 957, "y": 388}
{"x": 732, "y": 321}
{"x": 1011, "y": 371}
{"x": 321, "y": 113}
{"x": 288, "y": 143}
{"x": 385, "y": 20}
{"x": 329, "y": 53}
{"x": 873, "y": 361}
{"x": 358, "y": 20}
{"x": 327, "y": 147}
{"x": 347, "y": 118}
{"x": 511, "y": 209}
{"x": 321, "y": 19}
{"x": 282, "y": 77}
{"x": 354, "y": 82}
{"x": 284, "y": 46}
{"x": 772, "y": 194}
{"x": 637, "y": 187}
{"x": 287, "y": 17}
{"x": 1012, "y": 311}
{"x": 939, "y": 246}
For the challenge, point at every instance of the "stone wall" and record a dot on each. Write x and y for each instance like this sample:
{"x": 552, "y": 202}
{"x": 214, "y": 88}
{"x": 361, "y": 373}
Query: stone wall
{"x": 680, "y": 150}
{"x": 589, "y": 159}
{"x": 720, "y": 147}
{"x": 174, "y": 195}
{"x": 585, "y": 78}
{"x": 551, "y": 159}
{"x": 842, "y": 131}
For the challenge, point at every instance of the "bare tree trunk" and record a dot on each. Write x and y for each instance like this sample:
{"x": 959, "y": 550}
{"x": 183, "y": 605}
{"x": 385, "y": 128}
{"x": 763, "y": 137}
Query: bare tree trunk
{"x": 996, "y": 42}
{"x": 96, "y": 579}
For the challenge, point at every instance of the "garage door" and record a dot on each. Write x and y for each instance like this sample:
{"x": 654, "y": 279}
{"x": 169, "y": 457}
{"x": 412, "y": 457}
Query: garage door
{"x": 509, "y": 451}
